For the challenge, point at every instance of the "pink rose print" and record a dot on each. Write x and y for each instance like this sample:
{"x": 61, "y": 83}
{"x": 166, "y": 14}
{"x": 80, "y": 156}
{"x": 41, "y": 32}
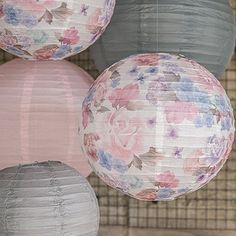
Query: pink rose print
{"x": 167, "y": 180}
{"x": 45, "y": 53}
{"x": 70, "y": 36}
{"x": 93, "y": 23}
{"x": 145, "y": 59}
{"x": 125, "y": 137}
{"x": 147, "y": 195}
{"x": 122, "y": 96}
{"x": 90, "y": 146}
{"x": 177, "y": 112}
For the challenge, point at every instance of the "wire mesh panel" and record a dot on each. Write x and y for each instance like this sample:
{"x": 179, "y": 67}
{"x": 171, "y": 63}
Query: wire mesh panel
{"x": 213, "y": 207}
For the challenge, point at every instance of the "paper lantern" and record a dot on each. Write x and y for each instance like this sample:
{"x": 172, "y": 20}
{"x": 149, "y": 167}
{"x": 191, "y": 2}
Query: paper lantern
{"x": 52, "y": 29}
{"x": 201, "y": 30}
{"x": 47, "y": 199}
{"x": 39, "y": 112}
{"x": 157, "y": 126}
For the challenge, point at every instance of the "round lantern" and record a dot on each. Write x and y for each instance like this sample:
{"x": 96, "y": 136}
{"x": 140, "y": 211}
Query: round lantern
{"x": 47, "y": 199}
{"x": 39, "y": 112}
{"x": 157, "y": 126}
{"x": 201, "y": 30}
{"x": 52, "y": 29}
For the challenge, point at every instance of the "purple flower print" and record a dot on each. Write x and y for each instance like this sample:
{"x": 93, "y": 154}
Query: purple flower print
{"x": 84, "y": 9}
{"x": 172, "y": 133}
{"x": 153, "y": 70}
{"x": 141, "y": 78}
{"x": 134, "y": 71}
{"x": 178, "y": 152}
{"x": 151, "y": 123}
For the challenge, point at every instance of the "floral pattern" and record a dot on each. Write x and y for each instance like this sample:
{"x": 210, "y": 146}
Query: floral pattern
{"x": 157, "y": 126}
{"x": 53, "y": 29}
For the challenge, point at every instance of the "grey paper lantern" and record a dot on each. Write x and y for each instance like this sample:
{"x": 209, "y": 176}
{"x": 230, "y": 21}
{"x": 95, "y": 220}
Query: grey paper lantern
{"x": 202, "y": 30}
{"x": 46, "y": 199}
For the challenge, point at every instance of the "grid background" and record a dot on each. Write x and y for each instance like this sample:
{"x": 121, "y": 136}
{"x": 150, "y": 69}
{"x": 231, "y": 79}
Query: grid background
{"x": 213, "y": 207}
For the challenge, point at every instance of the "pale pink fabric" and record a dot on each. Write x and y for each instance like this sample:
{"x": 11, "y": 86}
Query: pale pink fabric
{"x": 40, "y": 104}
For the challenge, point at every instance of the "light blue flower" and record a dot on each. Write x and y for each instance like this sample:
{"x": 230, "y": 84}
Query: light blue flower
{"x": 12, "y": 15}
{"x": 165, "y": 193}
{"x": 115, "y": 83}
{"x": 186, "y": 91}
{"x": 90, "y": 96}
{"x": 105, "y": 159}
{"x": 78, "y": 49}
{"x": 62, "y": 51}
{"x": 15, "y": 16}
{"x": 221, "y": 103}
{"x": 183, "y": 190}
{"x": 226, "y": 123}
{"x": 119, "y": 165}
{"x": 206, "y": 119}
{"x": 133, "y": 181}
{"x": 40, "y": 37}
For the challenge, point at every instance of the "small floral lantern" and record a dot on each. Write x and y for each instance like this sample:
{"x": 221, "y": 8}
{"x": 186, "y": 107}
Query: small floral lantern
{"x": 47, "y": 199}
{"x": 52, "y": 29}
{"x": 157, "y": 126}
{"x": 39, "y": 112}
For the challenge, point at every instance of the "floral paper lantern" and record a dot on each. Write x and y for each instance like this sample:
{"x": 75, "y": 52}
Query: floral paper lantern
{"x": 201, "y": 30}
{"x": 157, "y": 126}
{"x": 47, "y": 199}
{"x": 39, "y": 112}
{"x": 52, "y": 29}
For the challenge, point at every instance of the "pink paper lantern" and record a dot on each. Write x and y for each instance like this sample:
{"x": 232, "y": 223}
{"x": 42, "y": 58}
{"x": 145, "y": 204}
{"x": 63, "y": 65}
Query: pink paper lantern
{"x": 52, "y": 29}
{"x": 39, "y": 113}
{"x": 157, "y": 126}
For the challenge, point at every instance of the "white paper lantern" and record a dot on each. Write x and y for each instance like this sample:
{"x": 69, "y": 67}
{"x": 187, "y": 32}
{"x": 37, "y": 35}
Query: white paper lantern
{"x": 39, "y": 112}
{"x": 52, "y": 29}
{"x": 46, "y": 199}
{"x": 157, "y": 126}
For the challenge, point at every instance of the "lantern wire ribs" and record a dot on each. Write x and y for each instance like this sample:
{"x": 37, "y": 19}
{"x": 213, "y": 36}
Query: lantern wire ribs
{"x": 211, "y": 208}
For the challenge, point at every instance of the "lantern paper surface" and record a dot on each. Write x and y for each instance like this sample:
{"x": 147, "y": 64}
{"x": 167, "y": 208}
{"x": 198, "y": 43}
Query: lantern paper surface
{"x": 46, "y": 199}
{"x": 200, "y": 30}
{"x": 157, "y": 126}
{"x": 39, "y": 112}
{"x": 52, "y": 29}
